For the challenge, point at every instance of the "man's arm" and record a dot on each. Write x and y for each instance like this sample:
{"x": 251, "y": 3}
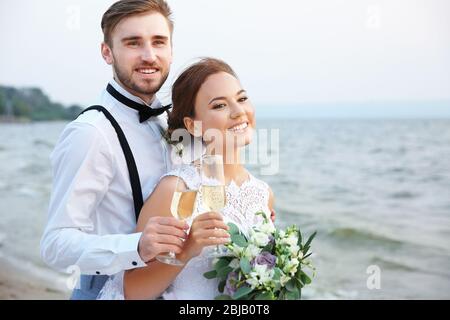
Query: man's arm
{"x": 82, "y": 171}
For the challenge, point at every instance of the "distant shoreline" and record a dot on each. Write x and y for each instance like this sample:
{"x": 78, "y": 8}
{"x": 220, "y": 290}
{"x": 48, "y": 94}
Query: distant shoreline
{"x": 4, "y": 120}
{"x": 14, "y": 120}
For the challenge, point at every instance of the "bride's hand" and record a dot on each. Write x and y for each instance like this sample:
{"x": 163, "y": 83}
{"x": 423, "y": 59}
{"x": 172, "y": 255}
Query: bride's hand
{"x": 208, "y": 229}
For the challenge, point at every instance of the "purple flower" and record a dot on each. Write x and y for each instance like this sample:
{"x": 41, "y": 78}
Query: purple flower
{"x": 230, "y": 285}
{"x": 265, "y": 258}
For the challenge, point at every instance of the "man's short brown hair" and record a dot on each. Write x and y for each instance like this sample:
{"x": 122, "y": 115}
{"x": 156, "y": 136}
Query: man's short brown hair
{"x": 126, "y": 8}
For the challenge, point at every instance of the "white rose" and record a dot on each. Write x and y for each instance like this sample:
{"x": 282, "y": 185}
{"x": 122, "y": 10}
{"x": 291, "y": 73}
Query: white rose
{"x": 251, "y": 251}
{"x": 260, "y": 239}
{"x": 259, "y": 270}
{"x": 267, "y": 228}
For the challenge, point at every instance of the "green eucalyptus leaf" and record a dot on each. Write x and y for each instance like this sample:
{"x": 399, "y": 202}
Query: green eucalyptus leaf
{"x": 266, "y": 295}
{"x": 241, "y": 292}
{"x": 276, "y": 273}
{"x": 210, "y": 274}
{"x": 239, "y": 240}
{"x": 305, "y": 278}
{"x": 292, "y": 295}
{"x": 223, "y": 262}
{"x": 250, "y": 296}
{"x": 277, "y": 286}
{"x": 223, "y": 273}
{"x": 233, "y": 229}
{"x": 291, "y": 285}
{"x": 223, "y": 297}
{"x": 299, "y": 282}
{"x": 222, "y": 285}
{"x": 245, "y": 265}
{"x": 282, "y": 295}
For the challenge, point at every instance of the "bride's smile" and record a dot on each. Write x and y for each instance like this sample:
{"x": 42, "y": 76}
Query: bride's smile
{"x": 239, "y": 128}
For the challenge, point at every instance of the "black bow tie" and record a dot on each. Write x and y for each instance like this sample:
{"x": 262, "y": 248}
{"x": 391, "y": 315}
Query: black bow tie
{"x": 145, "y": 112}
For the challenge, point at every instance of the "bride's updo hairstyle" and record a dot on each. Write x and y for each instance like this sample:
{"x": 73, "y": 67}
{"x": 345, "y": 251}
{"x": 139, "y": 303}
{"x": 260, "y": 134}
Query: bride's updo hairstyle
{"x": 186, "y": 87}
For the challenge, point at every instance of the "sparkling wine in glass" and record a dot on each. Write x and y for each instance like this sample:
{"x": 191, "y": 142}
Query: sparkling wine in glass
{"x": 182, "y": 207}
{"x": 213, "y": 190}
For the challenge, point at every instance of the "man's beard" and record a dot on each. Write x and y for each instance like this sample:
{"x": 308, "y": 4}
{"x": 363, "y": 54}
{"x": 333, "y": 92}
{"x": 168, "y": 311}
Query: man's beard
{"x": 150, "y": 88}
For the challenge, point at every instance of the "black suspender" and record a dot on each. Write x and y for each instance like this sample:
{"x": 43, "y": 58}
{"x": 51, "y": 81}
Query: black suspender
{"x": 131, "y": 164}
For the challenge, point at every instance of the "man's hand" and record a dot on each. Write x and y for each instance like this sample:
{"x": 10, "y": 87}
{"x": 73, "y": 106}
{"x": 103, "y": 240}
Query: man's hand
{"x": 161, "y": 234}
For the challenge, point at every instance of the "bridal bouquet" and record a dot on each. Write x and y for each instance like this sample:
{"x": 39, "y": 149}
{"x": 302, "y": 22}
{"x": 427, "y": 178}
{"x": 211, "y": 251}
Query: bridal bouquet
{"x": 268, "y": 264}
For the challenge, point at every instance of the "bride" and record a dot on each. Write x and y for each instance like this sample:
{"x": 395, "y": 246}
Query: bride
{"x": 207, "y": 93}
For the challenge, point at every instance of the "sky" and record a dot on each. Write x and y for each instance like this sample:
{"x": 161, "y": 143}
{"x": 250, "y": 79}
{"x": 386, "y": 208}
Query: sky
{"x": 289, "y": 54}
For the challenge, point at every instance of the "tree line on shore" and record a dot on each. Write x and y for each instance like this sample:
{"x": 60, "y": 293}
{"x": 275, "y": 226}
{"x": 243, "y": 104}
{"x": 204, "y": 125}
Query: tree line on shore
{"x": 32, "y": 104}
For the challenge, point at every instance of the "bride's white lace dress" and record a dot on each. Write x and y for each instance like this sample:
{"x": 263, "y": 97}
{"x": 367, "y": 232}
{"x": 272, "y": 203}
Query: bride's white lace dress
{"x": 242, "y": 204}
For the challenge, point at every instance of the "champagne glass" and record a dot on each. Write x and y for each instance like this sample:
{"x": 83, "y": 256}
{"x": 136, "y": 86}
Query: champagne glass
{"x": 213, "y": 190}
{"x": 182, "y": 208}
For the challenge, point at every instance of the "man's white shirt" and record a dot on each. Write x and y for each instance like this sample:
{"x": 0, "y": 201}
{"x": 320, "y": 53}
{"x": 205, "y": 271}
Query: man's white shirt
{"x": 91, "y": 220}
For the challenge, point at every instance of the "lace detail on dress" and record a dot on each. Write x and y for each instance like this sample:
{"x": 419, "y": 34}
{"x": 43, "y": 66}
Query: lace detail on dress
{"x": 242, "y": 204}
{"x": 113, "y": 288}
{"x": 189, "y": 175}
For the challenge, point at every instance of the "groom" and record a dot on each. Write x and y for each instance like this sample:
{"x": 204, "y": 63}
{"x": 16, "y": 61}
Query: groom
{"x": 110, "y": 159}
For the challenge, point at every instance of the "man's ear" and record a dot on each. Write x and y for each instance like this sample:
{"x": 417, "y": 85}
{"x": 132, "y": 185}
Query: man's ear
{"x": 107, "y": 53}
